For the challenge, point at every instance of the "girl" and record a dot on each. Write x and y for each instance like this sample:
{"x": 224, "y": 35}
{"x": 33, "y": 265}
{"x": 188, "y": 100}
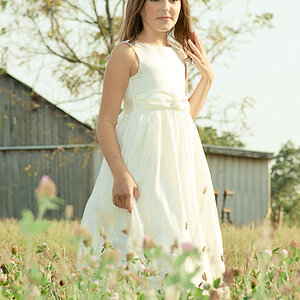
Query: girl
{"x": 154, "y": 179}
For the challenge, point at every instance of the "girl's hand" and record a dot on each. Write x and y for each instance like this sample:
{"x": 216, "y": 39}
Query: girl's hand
{"x": 123, "y": 189}
{"x": 200, "y": 58}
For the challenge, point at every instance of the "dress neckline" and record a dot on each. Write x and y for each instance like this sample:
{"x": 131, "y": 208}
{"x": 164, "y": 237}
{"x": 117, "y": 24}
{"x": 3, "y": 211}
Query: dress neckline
{"x": 153, "y": 45}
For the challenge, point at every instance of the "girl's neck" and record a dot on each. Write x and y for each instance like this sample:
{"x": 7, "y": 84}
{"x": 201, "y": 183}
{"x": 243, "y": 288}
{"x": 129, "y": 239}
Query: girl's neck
{"x": 153, "y": 40}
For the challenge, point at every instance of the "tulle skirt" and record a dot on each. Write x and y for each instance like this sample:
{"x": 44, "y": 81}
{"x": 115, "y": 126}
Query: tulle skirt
{"x": 164, "y": 154}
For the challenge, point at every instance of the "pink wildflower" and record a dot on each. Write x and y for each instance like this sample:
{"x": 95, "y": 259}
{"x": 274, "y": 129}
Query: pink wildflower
{"x": 284, "y": 252}
{"x": 46, "y": 187}
{"x": 187, "y": 247}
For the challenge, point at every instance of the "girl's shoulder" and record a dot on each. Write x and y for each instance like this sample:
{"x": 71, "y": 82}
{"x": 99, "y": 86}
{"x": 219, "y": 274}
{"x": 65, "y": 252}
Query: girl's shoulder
{"x": 123, "y": 57}
{"x": 122, "y": 48}
{"x": 123, "y": 52}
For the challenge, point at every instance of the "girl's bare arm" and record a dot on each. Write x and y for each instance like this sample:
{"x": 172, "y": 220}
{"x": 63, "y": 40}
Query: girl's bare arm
{"x": 121, "y": 65}
{"x": 116, "y": 77}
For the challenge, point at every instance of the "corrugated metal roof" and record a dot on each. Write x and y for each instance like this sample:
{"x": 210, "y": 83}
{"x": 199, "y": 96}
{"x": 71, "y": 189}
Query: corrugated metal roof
{"x": 241, "y": 152}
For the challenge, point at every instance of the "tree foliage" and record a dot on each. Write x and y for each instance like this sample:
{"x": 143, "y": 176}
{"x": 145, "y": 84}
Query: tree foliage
{"x": 285, "y": 182}
{"x": 210, "y": 136}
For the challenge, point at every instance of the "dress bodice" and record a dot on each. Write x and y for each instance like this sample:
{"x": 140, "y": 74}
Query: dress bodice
{"x": 160, "y": 80}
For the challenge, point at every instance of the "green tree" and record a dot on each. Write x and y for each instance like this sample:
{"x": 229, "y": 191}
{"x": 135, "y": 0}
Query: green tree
{"x": 285, "y": 182}
{"x": 210, "y": 136}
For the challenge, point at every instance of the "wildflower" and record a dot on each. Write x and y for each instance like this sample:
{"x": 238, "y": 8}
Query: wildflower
{"x": 267, "y": 252}
{"x": 147, "y": 271}
{"x": 3, "y": 277}
{"x": 13, "y": 261}
{"x": 148, "y": 242}
{"x": 96, "y": 282}
{"x": 294, "y": 243}
{"x": 269, "y": 286}
{"x": 46, "y": 187}
{"x": 45, "y": 246}
{"x": 81, "y": 230}
{"x": 112, "y": 254}
{"x": 87, "y": 241}
{"x": 137, "y": 278}
{"x": 102, "y": 233}
{"x": 53, "y": 278}
{"x": 284, "y": 252}
{"x": 238, "y": 271}
{"x": 228, "y": 276}
{"x": 187, "y": 247}
{"x": 14, "y": 250}
{"x": 94, "y": 261}
{"x": 214, "y": 295}
{"x": 115, "y": 296}
{"x": 106, "y": 244}
{"x": 129, "y": 255}
{"x": 69, "y": 211}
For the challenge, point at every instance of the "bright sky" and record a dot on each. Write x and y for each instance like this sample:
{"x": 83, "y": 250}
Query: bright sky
{"x": 266, "y": 68}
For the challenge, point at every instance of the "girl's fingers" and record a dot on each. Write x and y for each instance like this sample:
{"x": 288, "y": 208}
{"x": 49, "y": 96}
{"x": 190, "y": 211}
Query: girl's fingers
{"x": 194, "y": 57}
{"x": 128, "y": 203}
{"x": 136, "y": 193}
{"x": 116, "y": 201}
{"x": 200, "y": 44}
{"x": 195, "y": 49}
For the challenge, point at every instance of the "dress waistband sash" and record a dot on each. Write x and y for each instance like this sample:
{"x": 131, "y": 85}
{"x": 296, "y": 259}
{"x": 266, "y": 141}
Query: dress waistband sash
{"x": 156, "y": 104}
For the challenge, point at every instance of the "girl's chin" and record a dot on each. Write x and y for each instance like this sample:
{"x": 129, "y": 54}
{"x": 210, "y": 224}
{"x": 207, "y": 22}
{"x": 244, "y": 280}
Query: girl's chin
{"x": 166, "y": 27}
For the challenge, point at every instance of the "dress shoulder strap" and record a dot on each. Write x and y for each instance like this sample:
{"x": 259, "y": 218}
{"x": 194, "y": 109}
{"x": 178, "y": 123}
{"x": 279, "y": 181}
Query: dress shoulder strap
{"x": 127, "y": 42}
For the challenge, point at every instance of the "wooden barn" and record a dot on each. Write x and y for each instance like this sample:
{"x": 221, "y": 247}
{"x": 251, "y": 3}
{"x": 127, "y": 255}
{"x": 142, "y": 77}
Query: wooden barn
{"x": 37, "y": 138}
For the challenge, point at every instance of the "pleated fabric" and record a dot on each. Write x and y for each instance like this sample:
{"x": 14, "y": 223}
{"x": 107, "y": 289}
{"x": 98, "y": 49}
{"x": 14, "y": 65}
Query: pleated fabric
{"x": 161, "y": 147}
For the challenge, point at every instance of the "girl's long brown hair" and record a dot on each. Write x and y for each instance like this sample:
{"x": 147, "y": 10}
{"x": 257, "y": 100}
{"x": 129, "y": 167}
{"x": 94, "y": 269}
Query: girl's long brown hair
{"x": 132, "y": 24}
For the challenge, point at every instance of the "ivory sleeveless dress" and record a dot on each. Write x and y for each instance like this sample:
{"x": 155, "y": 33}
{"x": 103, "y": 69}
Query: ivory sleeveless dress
{"x": 160, "y": 145}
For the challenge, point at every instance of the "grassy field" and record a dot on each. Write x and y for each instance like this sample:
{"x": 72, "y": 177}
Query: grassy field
{"x": 44, "y": 265}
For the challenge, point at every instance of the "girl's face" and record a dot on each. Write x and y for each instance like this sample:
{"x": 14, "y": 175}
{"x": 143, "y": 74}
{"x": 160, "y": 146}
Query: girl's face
{"x": 160, "y": 15}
